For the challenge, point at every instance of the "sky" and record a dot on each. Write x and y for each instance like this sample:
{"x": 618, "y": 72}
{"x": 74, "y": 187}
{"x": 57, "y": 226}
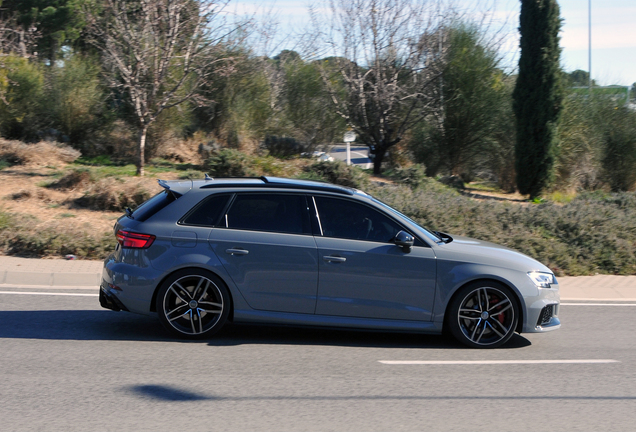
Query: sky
{"x": 613, "y": 31}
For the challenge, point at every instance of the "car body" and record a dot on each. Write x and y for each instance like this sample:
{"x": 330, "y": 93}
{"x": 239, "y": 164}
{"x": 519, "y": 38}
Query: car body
{"x": 296, "y": 252}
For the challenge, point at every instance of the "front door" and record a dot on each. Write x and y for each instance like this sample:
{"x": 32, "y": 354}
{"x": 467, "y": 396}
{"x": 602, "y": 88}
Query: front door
{"x": 362, "y": 273}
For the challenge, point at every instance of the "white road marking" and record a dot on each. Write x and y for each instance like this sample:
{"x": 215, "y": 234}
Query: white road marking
{"x": 598, "y": 304}
{"x": 49, "y": 293}
{"x": 565, "y": 299}
{"x": 493, "y": 362}
{"x": 358, "y": 153}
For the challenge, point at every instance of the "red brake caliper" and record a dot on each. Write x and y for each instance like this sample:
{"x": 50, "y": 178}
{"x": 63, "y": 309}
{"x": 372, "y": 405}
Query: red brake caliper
{"x": 500, "y": 317}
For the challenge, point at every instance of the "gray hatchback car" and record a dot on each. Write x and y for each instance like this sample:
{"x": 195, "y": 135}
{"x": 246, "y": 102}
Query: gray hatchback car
{"x": 281, "y": 251}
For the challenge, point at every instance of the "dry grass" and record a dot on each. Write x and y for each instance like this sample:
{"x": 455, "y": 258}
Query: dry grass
{"x": 110, "y": 195}
{"x": 39, "y": 154}
{"x": 74, "y": 180}
{"x": 25, "y": 235}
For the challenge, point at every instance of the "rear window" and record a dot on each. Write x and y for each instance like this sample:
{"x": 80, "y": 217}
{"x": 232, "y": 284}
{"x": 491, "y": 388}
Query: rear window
{"x": 153, "y": 205}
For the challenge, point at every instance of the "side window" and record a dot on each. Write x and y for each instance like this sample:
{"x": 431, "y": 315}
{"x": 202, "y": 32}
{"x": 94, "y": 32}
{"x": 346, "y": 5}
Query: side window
{"x": 350, "y": 220}
{"x": 207, "y": 212}
{"x": 269, "y": 212}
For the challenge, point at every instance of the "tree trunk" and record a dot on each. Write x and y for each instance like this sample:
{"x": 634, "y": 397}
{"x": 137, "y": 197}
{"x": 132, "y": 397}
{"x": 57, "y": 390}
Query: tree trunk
{"x": 141, "y": 162}
{"x": 377, "y": 161}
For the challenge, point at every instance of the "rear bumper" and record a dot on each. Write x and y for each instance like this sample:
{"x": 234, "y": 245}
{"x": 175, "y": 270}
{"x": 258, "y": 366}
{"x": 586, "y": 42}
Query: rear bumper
{"x": 128, "y": 287}
{"x": 108, "y": 300}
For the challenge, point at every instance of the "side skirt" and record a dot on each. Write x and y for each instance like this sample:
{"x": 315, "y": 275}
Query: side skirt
{"x": 265, "y": 317}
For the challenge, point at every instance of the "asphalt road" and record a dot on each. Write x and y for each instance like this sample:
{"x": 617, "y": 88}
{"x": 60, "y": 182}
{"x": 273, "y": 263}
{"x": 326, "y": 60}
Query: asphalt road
{"x": 66, "y": 364}
{"x": 359, "y": 155}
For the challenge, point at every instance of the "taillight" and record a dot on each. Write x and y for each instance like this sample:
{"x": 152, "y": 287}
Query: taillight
{"x": 133, "y": 240}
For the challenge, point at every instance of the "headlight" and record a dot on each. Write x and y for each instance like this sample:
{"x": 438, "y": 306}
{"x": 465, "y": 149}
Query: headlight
{"x": 542, "y": 279}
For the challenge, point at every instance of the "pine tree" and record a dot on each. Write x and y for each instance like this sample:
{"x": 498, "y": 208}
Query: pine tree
{"x": 537, "y": 98}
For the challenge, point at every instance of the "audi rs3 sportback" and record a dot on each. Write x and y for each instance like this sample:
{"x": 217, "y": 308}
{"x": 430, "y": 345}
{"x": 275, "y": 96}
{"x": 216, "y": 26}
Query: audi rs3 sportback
{"x": 295, "y": 252}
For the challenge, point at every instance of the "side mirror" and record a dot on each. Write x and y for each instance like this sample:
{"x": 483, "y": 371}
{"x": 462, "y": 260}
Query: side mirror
{"x": 404, "y": 240}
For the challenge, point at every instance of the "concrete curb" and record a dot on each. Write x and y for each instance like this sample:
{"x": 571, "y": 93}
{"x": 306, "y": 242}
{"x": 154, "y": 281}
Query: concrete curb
{"x": 49, "y": 279}
{"x": 49, "y": 272}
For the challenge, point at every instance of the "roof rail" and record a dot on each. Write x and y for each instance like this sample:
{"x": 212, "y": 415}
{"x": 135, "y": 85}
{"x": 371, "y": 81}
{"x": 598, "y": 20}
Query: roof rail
{"x": 279, "y": 183}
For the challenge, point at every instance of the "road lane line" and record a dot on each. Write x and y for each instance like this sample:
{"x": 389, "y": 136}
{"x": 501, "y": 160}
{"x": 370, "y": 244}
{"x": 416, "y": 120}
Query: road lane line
{"x": 49, "y": 293}
{"x": 582, "y": 299}
{"x": 598, "y": 304}
{"x": 494, "y": 362}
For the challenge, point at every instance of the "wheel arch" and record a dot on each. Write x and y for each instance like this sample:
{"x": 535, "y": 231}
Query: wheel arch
{"x": 153, "y": 301}
{"x": 508, "y": 285}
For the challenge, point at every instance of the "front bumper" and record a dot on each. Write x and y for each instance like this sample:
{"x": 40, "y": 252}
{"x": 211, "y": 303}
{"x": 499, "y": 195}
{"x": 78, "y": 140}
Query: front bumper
{"x": 542, "y": 311}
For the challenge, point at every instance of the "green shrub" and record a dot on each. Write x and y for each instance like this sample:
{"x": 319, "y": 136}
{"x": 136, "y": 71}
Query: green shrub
{"x": 413, "y": 176}
{"x": 21, "y": 87}
{"x": 619, "y": 152}
{"x": 234, "y": 163}
{"x": 337, "y": 172}
{"x": 228, "y": 163}
{"x": 282, "y": 147}
{"x": 76, "y": 101}
{"x": 593, "y": 233}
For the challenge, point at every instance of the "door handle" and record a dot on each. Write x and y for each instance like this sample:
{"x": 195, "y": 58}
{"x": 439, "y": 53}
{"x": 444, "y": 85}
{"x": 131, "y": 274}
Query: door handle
{"x": 334, "y": 259}
{"x": 236, "y": 251}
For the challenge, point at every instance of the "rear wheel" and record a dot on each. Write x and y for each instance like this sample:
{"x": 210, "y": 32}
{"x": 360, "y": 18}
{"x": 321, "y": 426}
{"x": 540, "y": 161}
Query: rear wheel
{"x": 193, "y": 304}
{"x": 483, "y": 315}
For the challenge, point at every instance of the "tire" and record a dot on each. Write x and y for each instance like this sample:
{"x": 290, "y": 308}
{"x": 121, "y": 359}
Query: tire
{"x": 483, "y": 315}
{"x": 193, "y": 304}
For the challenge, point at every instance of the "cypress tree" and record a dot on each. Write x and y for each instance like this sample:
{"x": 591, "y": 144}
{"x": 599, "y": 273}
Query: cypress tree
{"x": 537, "y": 98}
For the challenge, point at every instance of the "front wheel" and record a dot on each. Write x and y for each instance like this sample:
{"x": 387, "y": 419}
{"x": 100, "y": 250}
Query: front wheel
{"x": 483, "y": 315}
{"x": 193, "y": 304}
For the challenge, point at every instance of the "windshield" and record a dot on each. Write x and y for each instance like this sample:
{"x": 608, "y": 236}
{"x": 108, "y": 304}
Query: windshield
{"x": 431, "y": 235}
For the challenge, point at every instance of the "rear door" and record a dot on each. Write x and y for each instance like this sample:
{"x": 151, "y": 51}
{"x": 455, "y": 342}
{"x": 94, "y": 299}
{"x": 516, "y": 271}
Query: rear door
{"x": 265, "y": 243}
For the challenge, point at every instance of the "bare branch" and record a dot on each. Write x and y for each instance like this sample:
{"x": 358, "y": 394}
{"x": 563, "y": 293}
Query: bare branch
{"x": 159, "y": 53}
{"x": 383, "y": 65}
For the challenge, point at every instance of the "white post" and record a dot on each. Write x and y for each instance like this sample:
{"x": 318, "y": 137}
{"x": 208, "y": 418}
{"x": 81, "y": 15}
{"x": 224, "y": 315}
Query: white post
{"x": 349, "y": 137}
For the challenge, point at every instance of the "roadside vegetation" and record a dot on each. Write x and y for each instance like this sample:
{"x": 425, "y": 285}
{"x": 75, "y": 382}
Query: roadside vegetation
{"x": 84, "y": 133}
{"x": 591, "y": 232}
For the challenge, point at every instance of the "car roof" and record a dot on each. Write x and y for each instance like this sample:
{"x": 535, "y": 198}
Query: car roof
{"x": 181, "y": 187}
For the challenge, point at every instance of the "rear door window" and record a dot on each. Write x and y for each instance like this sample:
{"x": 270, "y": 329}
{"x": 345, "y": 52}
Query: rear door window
{"x": 283, "y": 213}
{"x": 208, "y": 212}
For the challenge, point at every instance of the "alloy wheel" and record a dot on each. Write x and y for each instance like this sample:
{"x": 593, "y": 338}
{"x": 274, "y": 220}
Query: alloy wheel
{"x": 193, "y": 305}
{"x": 486, "y": 317}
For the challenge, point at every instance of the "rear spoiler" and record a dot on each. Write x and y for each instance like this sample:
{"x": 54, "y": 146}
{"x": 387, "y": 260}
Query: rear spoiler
{"x": 175, "y": 187}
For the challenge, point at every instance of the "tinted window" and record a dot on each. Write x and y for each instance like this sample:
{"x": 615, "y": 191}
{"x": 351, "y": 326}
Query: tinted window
{"x": 347, "y": 219}
{"x": 269, "y": 212}
{"x": 153, "y": 205}
{"x": 208, "y": 212}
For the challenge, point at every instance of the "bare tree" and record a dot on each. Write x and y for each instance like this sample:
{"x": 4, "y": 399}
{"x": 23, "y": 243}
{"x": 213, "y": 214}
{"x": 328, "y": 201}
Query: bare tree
{"x": 158, "y": 53}
{"x": 384, "y": 68}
